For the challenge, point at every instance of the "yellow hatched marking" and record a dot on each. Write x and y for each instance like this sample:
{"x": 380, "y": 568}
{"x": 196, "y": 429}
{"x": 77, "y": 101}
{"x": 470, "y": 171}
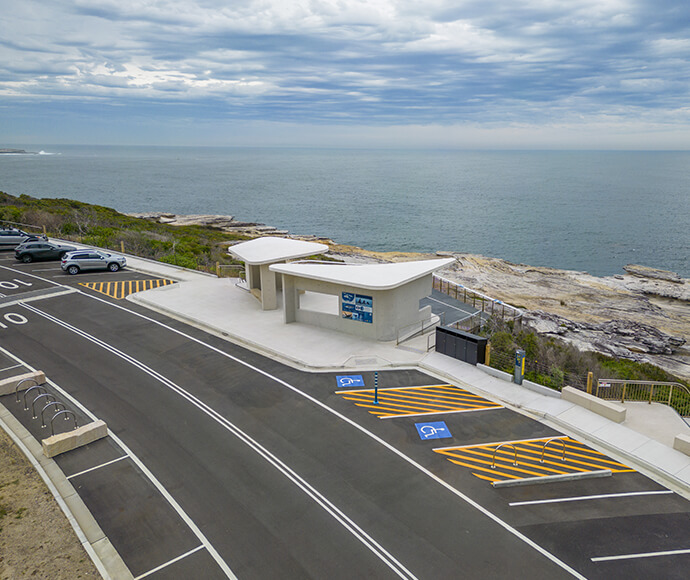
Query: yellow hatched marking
{"x": 121, "y": 289}
{"x": 578, "y": 459}
{"x": 405, "y": 401}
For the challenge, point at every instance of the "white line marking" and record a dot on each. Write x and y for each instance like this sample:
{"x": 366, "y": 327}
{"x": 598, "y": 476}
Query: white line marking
{"x": 378, "y": 550}
{"x": 371, "y": 435}
{"x": 588, "y": 497}
{"x": 164, "y": 492}
{"x": 168, "y": 563}
{"x": 355, "y": 425}
{"x": 499, "y": 443}
{"x": 32, "y": 276}
{"x": 371, "y": 390}
{"x": 10, "y": 368}
{"x": 96, "y": 467}
{"x": 442, "y": 412}
{"x": 643, "y": 555}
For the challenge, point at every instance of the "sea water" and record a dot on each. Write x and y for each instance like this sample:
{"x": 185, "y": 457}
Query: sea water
{"x": 591, "y": 211}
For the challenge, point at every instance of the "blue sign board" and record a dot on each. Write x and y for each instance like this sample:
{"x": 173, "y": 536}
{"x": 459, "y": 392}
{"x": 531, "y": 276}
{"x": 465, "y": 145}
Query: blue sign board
{"x": 436, "y": 430}
{"x": 350, "y": 381}
{"x": 357, "y": 307}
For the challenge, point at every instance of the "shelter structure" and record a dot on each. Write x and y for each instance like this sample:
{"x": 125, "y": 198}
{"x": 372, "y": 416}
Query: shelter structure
{"x": 375, "y": 301}
{"x": 260, "y": 253}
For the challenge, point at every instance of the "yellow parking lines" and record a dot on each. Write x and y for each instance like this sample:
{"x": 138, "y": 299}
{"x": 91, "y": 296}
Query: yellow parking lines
{"x": 123, "y": 288}
{"x": 411, "y": 401}
{"x": 489, "y": 462}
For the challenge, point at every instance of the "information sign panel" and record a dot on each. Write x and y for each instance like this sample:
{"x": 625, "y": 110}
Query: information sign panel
{"x": 357, "y": 307}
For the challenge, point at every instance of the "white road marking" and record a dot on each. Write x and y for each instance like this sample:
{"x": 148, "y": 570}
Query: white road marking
{"x": 589, "y": 497}
{"x": 349, "y": 421}
{"x": 96, "y": 467}
{"x": 180, "y": 557}
{"x": 157, "y": 484}
{"x": 10, "y": 368}
{"x": 641, "y": 555}
{"x": 299, "y": 481}
{"x": 374, "y": 437}
{"x": 499, "y": 443}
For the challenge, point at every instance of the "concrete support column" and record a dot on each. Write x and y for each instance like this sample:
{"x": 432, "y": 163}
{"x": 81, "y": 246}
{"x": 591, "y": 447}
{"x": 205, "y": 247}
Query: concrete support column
{"x": 290, "y": 300}
{"x": 253, "y": 276}
{"x": 269, "y": 299}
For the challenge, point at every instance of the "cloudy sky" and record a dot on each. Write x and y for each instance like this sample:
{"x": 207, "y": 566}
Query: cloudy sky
{"x": 428, "y": 73}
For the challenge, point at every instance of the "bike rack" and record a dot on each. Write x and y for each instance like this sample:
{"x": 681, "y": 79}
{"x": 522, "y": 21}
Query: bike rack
{"x": 543, "y": 449}
{"x": 66, "y": 411}
{"x": 39, "y": 387}
{"x": 43, "y": 421}
{"x": 33, "y": 404}
{"x": 493, "y": 460}
{"x": 16, "y": 389}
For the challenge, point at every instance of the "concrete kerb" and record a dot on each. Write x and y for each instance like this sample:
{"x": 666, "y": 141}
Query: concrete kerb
{"x": 105, "y": 557}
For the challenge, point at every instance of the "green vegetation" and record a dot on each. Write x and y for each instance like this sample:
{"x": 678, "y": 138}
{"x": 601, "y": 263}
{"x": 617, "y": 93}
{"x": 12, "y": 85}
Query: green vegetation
{"x": 552, "y": 362}
{"x": 189, "y": 246}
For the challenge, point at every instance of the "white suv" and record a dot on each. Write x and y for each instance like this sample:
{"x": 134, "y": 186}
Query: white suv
{"x": 75, "y": 262}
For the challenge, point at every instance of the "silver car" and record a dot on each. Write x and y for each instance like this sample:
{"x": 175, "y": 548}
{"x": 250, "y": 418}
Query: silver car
{"x": 83, "y": 260}
{"x": 11, "y": 237}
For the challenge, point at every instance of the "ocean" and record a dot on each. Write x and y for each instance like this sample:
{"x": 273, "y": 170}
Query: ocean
{"x": 576, "y": 210}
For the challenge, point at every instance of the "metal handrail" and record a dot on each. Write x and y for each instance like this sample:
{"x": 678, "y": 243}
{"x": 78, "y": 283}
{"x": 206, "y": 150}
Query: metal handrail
{"x": 33, "y": 404}
{"x": 470, "y": 296}
{"x": 39, "y": 387}
{"x": 76, "y": 423}
{"x": 16, "y": 389}
{"x": 493, "y": 459}
{"x": 543, "y": 449}
{"x": 43, "y": 420}
{"x": 677, "y": 397}
{"x": 401, "y": 331}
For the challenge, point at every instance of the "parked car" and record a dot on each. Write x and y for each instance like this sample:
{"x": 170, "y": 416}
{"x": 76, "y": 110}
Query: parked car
{"x": 12, "y": 237}
{"x": 30, "y": 251}
{"x": 75, "y": 262}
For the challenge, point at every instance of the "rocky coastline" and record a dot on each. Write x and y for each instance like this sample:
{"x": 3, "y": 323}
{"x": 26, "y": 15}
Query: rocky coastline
{"x": 642, "y": 315}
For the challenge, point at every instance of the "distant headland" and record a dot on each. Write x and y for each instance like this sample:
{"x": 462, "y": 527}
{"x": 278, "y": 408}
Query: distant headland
{"x": 16, "y": 152}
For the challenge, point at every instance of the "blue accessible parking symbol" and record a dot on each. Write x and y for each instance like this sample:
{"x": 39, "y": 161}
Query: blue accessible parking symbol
{"x": 350, "y": 381}
{"x": 436, "y": 430}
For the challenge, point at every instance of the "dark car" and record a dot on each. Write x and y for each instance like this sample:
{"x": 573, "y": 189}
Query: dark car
{"x": 12, "y": 237}
{"x": 40, "y": 250}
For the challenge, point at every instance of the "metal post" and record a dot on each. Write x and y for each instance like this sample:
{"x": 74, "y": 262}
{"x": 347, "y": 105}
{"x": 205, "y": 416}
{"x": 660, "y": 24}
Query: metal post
{"x": 218, "y": 269}
{"x": 487, "y": 355}
{"x": 376, "y": 388}
{"x": 122, "y": 246}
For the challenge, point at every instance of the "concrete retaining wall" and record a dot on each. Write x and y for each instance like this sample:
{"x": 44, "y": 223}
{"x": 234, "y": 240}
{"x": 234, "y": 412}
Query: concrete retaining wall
{"x": 682, "y": 443}
{"x": 604, "y": 408}
{"x": 7, "y": 386}
{"x": 541, "y": 389}
{"x": 63, "y": 442}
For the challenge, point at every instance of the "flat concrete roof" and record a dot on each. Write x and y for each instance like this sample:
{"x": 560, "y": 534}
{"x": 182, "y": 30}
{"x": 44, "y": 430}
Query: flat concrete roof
{"x": 268, "y": 250}
{"x": 369, "y": 276}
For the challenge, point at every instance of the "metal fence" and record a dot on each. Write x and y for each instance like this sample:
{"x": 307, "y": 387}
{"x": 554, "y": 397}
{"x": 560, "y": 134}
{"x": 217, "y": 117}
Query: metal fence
{"x": 538, "y": 372}
{"x": 674, "y": 395}
{"x": 481, "y": 302}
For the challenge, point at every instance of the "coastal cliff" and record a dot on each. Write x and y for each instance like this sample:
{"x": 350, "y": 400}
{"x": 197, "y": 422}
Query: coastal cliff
{"x": 642, "y": 315}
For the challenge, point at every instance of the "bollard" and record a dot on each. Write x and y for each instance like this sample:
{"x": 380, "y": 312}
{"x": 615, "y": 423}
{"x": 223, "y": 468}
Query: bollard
{"x": 122, "y": 246}
{"x": 487, "y": 355}
{"x": 590, "y": 380}
{"x": 376, "y": 388}
{"x": 519, "y": 372}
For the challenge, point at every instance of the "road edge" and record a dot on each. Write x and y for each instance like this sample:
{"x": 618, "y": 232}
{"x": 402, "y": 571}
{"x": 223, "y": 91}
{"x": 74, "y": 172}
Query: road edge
{"x": 105, "y": 557}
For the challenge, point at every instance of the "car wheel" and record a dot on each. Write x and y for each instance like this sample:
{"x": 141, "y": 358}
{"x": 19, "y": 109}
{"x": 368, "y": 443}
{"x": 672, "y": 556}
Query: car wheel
{"x": 73, "y": 270}
{"x": 26, "y": 258}
{"x": 113, "y": 266}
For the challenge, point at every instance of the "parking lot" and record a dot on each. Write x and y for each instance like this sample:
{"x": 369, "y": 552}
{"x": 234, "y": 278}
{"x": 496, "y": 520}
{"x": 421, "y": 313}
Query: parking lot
{"x": 224, "y": 463}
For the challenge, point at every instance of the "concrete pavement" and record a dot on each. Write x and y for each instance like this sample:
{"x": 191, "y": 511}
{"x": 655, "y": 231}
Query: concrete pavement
{"x": 222, "y": 308}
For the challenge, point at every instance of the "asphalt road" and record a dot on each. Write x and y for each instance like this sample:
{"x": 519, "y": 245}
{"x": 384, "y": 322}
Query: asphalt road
{"x": 223, "y": 463}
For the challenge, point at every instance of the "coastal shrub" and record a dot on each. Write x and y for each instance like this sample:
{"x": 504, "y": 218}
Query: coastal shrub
{"x": 184, "y": 260}
{"x": 552, "y": 362}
